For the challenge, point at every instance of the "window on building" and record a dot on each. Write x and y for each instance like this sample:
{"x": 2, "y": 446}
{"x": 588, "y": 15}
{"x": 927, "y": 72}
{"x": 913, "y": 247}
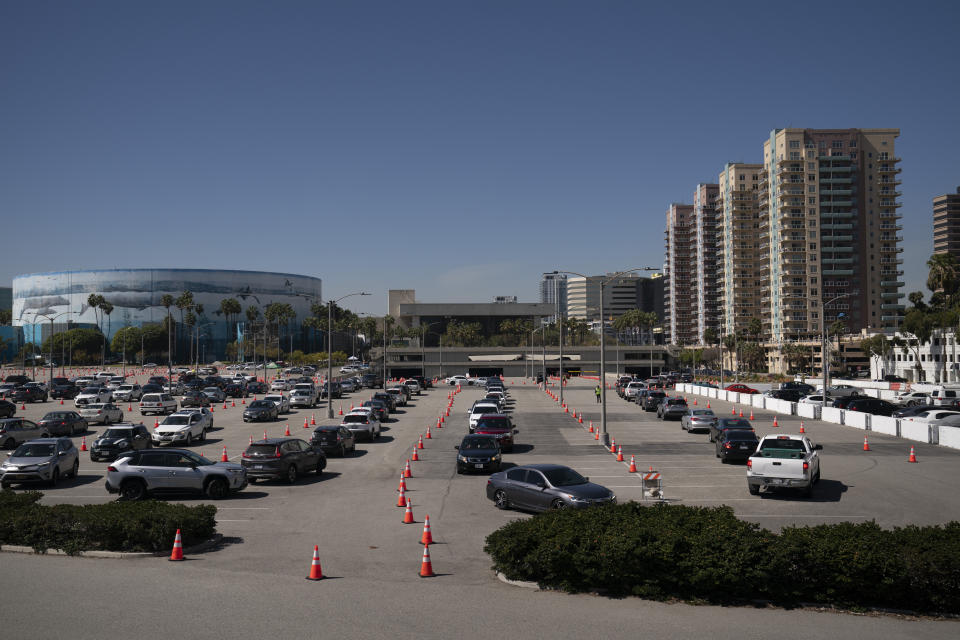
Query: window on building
{"x": 812, "y": 200}
{"x": 836, "y": 144}
{"x": 794, "y": 144}
{"x": 813, "y": 246}
{"x": 794, "y": 155}
{"x": 853, "y": 144}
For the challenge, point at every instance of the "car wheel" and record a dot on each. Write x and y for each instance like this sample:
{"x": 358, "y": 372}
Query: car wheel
{"x": 500, "y": 499}
{"x": 808, "y": 492}
{"x": 343, "y": 451}
{"x": 75, "y": 469}
{"x": 133, "y": 490}
{"x": 753, "y": 489}
{"x": 321, "y": 465}
{"x": 291, "y": 474}
{"x": 107, "y": 421}
{"x": 558, "y": 505}
{"x": 217, "y": 489}
{"x": 189, "y": 439}
{"x": 4, "y": 485}
{"x": 55, "y": 478}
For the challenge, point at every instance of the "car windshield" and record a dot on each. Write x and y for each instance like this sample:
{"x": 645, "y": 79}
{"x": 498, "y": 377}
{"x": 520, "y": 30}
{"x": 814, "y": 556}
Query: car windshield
{"x": 702, "y": 412}
{"x": 56, "y": 415}
{"x": 274, "y": 398}
{"x": 741, "y": 436}
{"x": 176, "y": 420}
{"x": 563, "y": 477}
{"x": 211, "y": 389}
{"x": 478, "y": 443}
{"x": 493, "y": 423}
{"x": 95, "y": 406}
{"x": 261, "y": 404}
{"x": 486, "y": 408}
{"x": 117, "y": 433}
{"x": 34, "y": 450}
{"x": 355, "y": 417}
{"x": 735, "y": 423}
{"x": 194, "y": 458}
{"x": 92, "y": 390}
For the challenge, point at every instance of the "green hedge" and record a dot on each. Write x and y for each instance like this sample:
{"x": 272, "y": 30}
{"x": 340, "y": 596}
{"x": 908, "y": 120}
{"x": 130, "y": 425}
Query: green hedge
{"x": 116, "y": 526}
{"x": 701, "y": 553}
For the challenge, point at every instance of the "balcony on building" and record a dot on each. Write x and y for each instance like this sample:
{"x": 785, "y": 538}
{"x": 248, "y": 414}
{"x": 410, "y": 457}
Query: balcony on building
{"x": 888, "y": 307}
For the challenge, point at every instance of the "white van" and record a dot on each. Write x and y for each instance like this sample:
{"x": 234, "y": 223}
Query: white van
{"x": 944, "y": 396}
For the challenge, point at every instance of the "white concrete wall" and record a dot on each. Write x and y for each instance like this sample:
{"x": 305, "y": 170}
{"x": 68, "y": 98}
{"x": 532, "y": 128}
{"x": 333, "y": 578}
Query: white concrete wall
{"x": 757, "y": 400}
{"x": 950, "y": 437}
{"x": 830, "y": 414}
{"x": 808, "y": 410}
{"x": 885, "y": 425}
{"x": 919, "y": 431}
{"x": 857, "y": 419}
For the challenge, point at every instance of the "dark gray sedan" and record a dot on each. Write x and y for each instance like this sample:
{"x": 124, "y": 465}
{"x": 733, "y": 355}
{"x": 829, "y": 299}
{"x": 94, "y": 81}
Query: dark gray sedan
{"x": 541, "y": 487}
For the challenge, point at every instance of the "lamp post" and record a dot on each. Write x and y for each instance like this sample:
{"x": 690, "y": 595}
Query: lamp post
{"x": 604, "y": 437}
{"x": 423, "y": 338}
{"x": 330, "y": 347}
{"x": 543, "y": 352}
{"x": 51, "y": 319}
{"x": 824, "y": 364}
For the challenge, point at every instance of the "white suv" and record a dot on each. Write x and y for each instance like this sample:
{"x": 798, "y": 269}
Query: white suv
{"x": 159, "y": 403}
{"x": 93, "y": 395}
{"x": 181, "y": 428}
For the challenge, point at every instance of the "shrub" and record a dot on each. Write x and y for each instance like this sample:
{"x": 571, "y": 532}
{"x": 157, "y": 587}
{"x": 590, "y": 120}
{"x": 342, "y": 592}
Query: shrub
{"x": 114, "y": 526}
{"x": 704, "y": 553}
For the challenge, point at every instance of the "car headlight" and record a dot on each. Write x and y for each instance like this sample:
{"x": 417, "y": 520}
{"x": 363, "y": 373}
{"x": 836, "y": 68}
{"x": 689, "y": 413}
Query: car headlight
{"x": 123, "y": 443}
{"x": 496, "y": 458}
{"x": 462, "y": 458}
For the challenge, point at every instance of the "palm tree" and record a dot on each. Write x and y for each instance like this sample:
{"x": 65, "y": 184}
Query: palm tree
{"x": 944, "y": 275}
{"x": 166, "y": 301}
{"x": 230, "y": 308}
{"x": 106, "y": 308}
{"x": 184, "y": 302}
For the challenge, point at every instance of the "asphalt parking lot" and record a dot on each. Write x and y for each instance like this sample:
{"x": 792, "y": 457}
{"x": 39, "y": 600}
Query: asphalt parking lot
{"x": 373, "y": 558}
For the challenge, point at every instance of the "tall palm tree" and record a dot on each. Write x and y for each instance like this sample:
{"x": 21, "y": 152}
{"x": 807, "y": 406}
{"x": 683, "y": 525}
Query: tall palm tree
{"x": 944, "y": 276}
{"x": 166, "y": 301}
{"x": 107, "y": 308}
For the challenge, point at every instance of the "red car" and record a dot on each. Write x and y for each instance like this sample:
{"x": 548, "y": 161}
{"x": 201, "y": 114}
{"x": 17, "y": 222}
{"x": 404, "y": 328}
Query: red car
{"x": 741, "y": 388}
{"x": 499, "y": 426}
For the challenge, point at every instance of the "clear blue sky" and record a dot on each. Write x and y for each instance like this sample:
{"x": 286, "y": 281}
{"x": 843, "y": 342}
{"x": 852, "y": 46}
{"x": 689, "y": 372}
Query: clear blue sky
{"x": 456, "y": 148}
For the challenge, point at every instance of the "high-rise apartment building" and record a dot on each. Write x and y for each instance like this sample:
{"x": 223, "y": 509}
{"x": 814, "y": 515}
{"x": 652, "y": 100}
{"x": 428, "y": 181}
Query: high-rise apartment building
{"x": 739, "y": 222}
{"x": 680, "y": 270}
{"x": 829, "y": 221}
{"x": 553, "y": 290}
{"x": 946, "y": 224}
{"x": 708, "y": 248}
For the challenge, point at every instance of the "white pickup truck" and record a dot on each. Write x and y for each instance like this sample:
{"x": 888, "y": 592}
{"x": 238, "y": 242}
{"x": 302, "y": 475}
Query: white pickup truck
{"x": 784, "y": 462}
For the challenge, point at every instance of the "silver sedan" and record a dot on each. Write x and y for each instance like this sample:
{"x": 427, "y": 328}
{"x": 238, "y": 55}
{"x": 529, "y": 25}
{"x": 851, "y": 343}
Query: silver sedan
{"x": 697, "y": 419}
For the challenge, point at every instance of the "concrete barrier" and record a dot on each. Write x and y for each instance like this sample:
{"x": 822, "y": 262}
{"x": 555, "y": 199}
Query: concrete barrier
{"x": 949, "y": 437}
{"x": 805, "y": 410}
{"x": 918, "y": 431}
{"x": 784, "y": 407}
{"x": 831, "y": 414}
{"x": 857, "y": 419}
{"x": 757, "y": 400}
{"x": 885, "y": 425}
{"x": 714, "y": 393}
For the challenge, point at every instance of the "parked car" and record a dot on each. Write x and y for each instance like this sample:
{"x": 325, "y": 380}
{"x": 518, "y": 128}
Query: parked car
{"x": 7, "y": 409}
{"x": 933, "y": 414}
{"x": 331, "y": 389}
{"x": 413, "y": 386}
{"x": 17, "y": 379}
{"x": 695, "y": 419}
{"x": 119, "y": 439}
{"x": 279, "y": 384}
{"x": 279, "y": 399}
{"x": 362, "y": 425}
{"x": 41, "y": 460}
{"x": 158, "y": 403}
{"x": 261, "y": 410}
{"x": 736, "y": 444}
{"x": 14, "y": 431}
{"x": 304, "y": 395}
{"x": 653, "y": 399}
{"x": 334, "y": 439}
{"x": 725, "y": 424}
{"x": 672, "y": 408}
{"x": 380, "y": 409}
{"x": 911, "y": 398}
{"x": 817, "y": 399}
{"x": 478, "y": 452}
{"x": 387, "y": 398}
{"x": 347, "y": 385}
{"x": 876, "y": 406}
{"x": 372, "y": 381}
{"x": 215, "y": 394}
{"x": 499, "y": 426}
{"x": 257, "y": 386}
{"x": 105, "y": 413}
{"x": 139, "y": 474}
{"x": 283, "y": 458}
{"x": 181, "y": 428}
{"x": 479, "y": 409}
{"x": 909, "y": 412}
{"x": 804, "y": 388}
{"x": 401, "y": 395}
{"x": 63, "y": 423}
{"x": 194, "y": 399}
{"x": 944, "y": 396}
{"x": 892, "y": 378}
{"x": 128, "y": 392}
{"x": 63, "y": 390}
{"x": 740, "y": 388}
{"x": 790, "y": 395}
{"x": 28, "y": 393}
{"x": 840, "y": 390}
{"x": 784, "y": 462}
{"x": 541, "y": 487}
{"x": 93, "y": 395}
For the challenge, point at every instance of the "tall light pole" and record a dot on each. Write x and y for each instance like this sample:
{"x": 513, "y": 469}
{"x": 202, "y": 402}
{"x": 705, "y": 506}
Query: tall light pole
{"x": 51, "y": 319}
{"x": 423, "y": 338}
{"x": 824, "y": 364}
{"x": 543, "y": 352}
{"x": 604, "y": 436}
{"x": 330, "y": 348}
{"x": 556, "y": 297}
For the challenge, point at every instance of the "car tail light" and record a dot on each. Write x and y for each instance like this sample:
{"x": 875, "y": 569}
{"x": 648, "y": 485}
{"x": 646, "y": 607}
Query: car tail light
{"x": 806, "y": 465}
{"x": 277, "y": 453}
{"x": 99, "y": 412}
{"x": 111, "y": 468}
{"x": 727, "y": 445}
{"x": 749, "y": 463}
{"x": 245, "y": 455}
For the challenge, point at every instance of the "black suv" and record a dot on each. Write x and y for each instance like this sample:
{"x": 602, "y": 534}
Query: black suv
{"x": 652, "y": 400}
{"x": 28, "y": 394}
{"x": 876, "y": 406}
{"x": 63, "y": 390}
{"x": 334, "y": 439}
{"x": 118, "y": 439}
{"x": 284, "y": 458}
{"x": 478, "y": 453}
{"x": 17, "y": 379}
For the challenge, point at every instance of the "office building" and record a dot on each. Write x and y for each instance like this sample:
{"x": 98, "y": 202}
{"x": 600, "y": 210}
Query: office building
{"x": 946, "y": 224}
{"x": 620, "y": 294}
{"x": 553, "y": 290}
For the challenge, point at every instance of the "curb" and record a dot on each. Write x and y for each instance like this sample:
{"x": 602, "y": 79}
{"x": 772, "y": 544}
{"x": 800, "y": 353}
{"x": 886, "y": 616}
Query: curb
{"x": 517, "y": 583}
{"x": 116, "y": 555}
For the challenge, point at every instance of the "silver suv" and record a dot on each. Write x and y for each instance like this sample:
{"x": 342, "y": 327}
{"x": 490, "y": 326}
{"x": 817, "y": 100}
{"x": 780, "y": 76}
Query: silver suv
{"x": 41, "y": 460}
{"x": 13, "y": 431}
{"x": 155, "y": 471}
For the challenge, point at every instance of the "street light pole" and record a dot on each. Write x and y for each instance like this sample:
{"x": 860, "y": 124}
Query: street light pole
{"x": 824, "y": 365}
{"x": 51, "y": 319}
{"x": 330, "y": 348}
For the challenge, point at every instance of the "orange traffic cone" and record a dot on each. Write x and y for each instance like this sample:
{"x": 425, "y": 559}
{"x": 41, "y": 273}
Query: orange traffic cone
{"x": 251, "y": 439}
{"x": 23, "y": 406}
{"x": 802, "y": 430}
{"x": 129, "y": 406}
{"x": 408, "y": 513}
{"x": 177, "y": 553}
{"x": 591, "y": 426}
{"x": 596, "y": 434}
{"x": 708, "y": 404}
{"x": 580, "y": 418}
{"x": 402, "y": 500}
{"x": 264, "y": 434}
{"x": 61, "y": 401}
{"x": 620, "y": 454}
{"x": 83, "y": 443}
{"x": 316, "y": 573}
{"x": 613, "y": 445}
{"x": 428, "y": 436}
{"x": 741, "y": 413}
{"x": 694, "y": 402}
{"x": 733, "y": 411}
{"x": 427, "y": 537}
{"x": 224, "y": 404}
{"x": 224, "y": 458}
{"x": 775, "y": 423}
{"x": 420, "y": 443}
{"x": 341, "y": 409}
{"x": 351, "y": 406}
{"x": 866, "y": 445}
{"x": 233, "y": 403}
{"x": 751, "y": 414}
{"x": 406, "y": 470}
{"x": 313, "y": 419}
{"x": 243, "y": 401}
{"x": 426, "y": 567}
{"x": 414, "y": 457}
{"x": 633, "y": 465}
{"x": 156, "y": 423}
{"x": 403, "y": 484}
{"x": 286, "y": 430}
{"x": 913, "y": 456}
{"x": 306, "y": 423}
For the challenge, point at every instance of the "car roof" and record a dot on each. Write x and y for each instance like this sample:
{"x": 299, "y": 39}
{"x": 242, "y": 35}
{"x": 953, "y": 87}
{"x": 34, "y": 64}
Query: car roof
{"x": 542, "y": 466}
{"x": 47, "y": 440}
{"x": 275, "y": 441}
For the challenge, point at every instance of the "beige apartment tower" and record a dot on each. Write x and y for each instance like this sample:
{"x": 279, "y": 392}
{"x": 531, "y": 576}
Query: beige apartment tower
{"x": 741, "y": 247}
{"x": 946, "y": 224}
{"x": 829, "y": 225}
{"x": 680, "y": 271}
